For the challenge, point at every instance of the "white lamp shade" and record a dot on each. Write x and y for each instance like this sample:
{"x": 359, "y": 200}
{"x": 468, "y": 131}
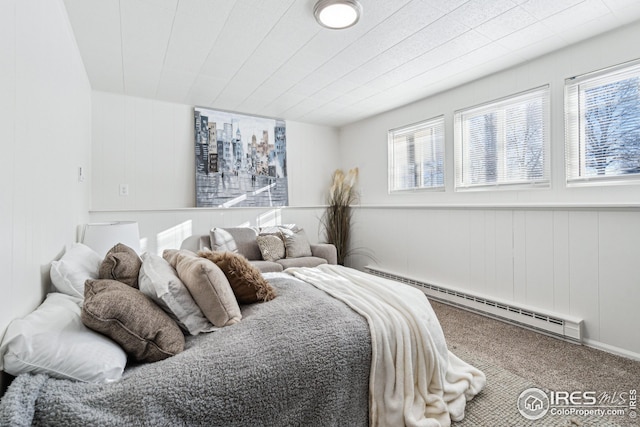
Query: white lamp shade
{"x": 102, "y": 236}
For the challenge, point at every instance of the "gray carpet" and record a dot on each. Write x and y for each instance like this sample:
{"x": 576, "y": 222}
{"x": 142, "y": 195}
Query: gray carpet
{"x": 515, "y": 359}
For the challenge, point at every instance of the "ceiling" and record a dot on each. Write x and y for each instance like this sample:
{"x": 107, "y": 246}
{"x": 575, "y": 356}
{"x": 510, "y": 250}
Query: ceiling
{"x": 270, "y": 57}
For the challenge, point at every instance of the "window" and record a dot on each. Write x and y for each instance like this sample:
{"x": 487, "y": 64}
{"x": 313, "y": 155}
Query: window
{"x": 504, "y": 143}
{"x": 602, "y": 121}
{"x": 416, "y": 156}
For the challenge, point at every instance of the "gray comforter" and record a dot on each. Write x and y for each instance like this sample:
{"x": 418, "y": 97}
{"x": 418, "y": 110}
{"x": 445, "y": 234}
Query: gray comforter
{"x": 301, "y": 359}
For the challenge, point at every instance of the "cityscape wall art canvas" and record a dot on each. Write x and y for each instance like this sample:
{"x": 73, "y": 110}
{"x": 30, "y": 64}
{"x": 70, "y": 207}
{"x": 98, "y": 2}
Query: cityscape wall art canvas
{"x": 241, "y": 160}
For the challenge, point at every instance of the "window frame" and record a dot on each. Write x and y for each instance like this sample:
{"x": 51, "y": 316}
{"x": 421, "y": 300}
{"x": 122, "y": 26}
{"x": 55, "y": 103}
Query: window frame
{"x": 575, "y": 123}
{"x": 462, "y": 156}
{"x": 392, "y": 173}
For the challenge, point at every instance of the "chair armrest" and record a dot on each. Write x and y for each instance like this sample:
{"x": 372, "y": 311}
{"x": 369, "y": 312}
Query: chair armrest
{"x": 196, "y": 243}
{"x": 327, "y": 251}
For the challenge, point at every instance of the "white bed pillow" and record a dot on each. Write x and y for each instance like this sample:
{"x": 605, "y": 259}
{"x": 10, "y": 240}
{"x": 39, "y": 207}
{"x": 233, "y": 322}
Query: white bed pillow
{"x": 78, "y": 264}
{"x": 53, "y": 340}
{"x": 160, "y": 282}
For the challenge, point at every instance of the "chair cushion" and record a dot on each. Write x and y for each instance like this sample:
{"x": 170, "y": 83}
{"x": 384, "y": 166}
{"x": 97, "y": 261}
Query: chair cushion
{"x": 307, "y": 261}
{"x": 267, "y": 266}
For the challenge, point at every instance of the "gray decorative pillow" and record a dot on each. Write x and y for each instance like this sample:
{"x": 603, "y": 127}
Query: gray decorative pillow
{"x": 122, "y": 264}
{"x": 222, "y": 240}
{"x": 160, "y": 282}
{"x": 131, "y": 319}
{"x": 296, "y": 243}
{"x": 271, "y": 247}
{"x": 210, "y": 289}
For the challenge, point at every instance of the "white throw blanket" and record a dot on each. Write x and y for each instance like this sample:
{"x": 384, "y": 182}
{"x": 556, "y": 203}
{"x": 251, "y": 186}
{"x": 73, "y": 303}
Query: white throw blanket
{"x": 414, "y": 380}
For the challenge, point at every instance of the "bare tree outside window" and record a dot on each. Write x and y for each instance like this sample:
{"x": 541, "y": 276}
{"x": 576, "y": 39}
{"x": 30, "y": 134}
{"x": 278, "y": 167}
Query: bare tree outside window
{"x": 602, "y": 123}
{"x": 525, "y": 142}
{"x": 416, "y": 156}
{"x": 482, "y": 147}
{"x": 612, "y": 128}
{"x": 504, "y": 142}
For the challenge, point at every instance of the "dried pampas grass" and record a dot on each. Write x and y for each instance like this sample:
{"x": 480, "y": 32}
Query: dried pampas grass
{"x": 337, "y": 216}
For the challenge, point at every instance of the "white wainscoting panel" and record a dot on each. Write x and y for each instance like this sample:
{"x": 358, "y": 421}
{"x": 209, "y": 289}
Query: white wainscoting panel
{"x": 539, "y": 259}
{"x": 583, "y": 270}
{"x": 561, "y": 272}
{"x": 503, "y": 287}
{"x": 166, "y": 229}
{"x": 581, "y": 262}
{"x": 619, "y": 277}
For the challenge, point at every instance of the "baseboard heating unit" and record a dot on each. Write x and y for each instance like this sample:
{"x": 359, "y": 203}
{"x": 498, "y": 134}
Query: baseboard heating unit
{"x": 566, "y": 327}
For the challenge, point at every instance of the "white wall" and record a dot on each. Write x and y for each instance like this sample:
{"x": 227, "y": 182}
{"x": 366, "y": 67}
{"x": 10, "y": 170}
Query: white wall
{"x": 149, "y": 145}
{"x": 561, "y": 249}
{"x": 568, "y": 250}
{"x": 166, "y": 229}
{"x": 364, "y": 143}
{"x": 45, "y": 133}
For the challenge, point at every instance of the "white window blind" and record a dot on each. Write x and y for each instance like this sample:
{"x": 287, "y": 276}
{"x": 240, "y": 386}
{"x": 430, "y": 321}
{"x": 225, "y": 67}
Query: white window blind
{"x": 504, "y": 142}
{"x": 602, "y": 126}
{"x": 416, "y": 156}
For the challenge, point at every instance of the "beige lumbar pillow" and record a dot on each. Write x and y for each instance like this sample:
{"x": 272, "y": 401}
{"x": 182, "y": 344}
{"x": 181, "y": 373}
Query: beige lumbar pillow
{"x": 131, "y": 319}
{"x": 209, "y": 288}
{"x": 160, "y": 282}
{"x": 122, "y": 264}
{"x": 171, "y": 255}
{"x": 246, "y": 280}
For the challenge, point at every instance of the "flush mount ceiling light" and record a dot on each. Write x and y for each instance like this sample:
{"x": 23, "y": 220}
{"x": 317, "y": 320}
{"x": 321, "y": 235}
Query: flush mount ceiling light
{"x": 337, "y": 14}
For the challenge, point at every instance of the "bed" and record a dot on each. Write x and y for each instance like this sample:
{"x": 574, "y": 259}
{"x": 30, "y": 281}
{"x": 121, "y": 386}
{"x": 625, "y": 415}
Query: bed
{"x": 336, "y": 347}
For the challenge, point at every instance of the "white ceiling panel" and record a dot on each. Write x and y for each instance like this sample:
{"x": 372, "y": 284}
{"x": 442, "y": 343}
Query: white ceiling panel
{"x": 627, "y": 13}
{"x": 247, "y": 25}
{"x": 525, "y": 37}
{"x": 477, "y": 12}
{"x": 542, "y": 9}
{"x": 195, "y": 29}
{"x": 96, "y": 26}
{"x": 175, "y": 84}
{"x": 406, "y": 22}
{"x": 566, "y": 21}
{"x": 204, "y": 89}
{"x": 270, "y": 57}
{"x": 147, "y": 25}
{"x": 507, "y": 23}
{"x": 431, "y": 60}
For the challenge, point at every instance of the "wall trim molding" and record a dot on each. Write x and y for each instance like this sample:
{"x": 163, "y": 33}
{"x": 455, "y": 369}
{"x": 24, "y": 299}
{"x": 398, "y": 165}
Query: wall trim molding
{"x": 519, "y": 206}
{"x": 611, "y": 349}
{"x": 217, "y": 210}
